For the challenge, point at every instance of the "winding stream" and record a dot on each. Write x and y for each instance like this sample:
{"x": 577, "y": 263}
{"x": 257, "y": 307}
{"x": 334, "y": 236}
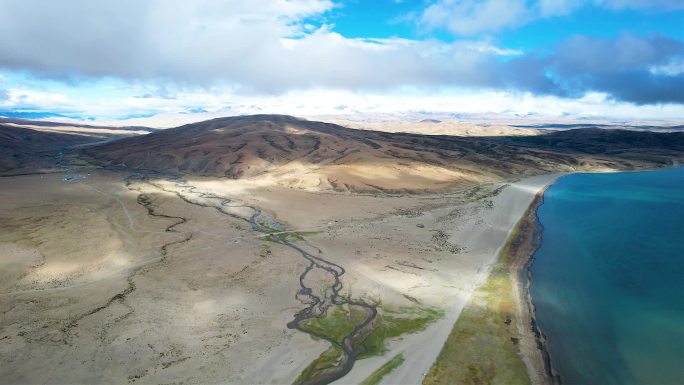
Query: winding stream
{"x": 316, "y": 305}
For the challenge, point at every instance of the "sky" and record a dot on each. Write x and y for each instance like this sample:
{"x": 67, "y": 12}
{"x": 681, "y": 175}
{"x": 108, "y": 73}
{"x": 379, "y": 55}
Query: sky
{"x": 141, "y": 60}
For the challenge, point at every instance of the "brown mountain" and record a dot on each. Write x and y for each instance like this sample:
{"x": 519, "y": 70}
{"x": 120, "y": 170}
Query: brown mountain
{"x": 28, "y": 146}
{"x": 21, "y": 148}
{"x": 300, "y": 153}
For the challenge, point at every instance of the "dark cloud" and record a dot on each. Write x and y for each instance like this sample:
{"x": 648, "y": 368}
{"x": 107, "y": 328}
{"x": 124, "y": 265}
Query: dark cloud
{"x": 643, "y": 88}
{"x": 641, "y": 70}
{"x": 527, "y": 73}
{"x": 582, "y": 54}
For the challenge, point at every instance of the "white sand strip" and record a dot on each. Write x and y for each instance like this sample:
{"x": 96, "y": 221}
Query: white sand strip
{"x": 483, "y": 244}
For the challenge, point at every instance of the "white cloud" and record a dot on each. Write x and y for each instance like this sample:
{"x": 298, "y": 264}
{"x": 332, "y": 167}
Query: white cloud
{"x": 259, "y": 48}
{"x": 470, "y": 17}
{"x": 641, "y": 4}
{"x": 671, "y": 69}
{"x": 548, "y": 8}
{"x": 256, "y": 45}
{"x": 3, "y": 93}
{"x": 182, "y": 40}
{"x": 490, "y": 48}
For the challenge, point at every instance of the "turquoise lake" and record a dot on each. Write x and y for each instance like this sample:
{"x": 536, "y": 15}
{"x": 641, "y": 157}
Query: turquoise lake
{"x": 608, "y": 279}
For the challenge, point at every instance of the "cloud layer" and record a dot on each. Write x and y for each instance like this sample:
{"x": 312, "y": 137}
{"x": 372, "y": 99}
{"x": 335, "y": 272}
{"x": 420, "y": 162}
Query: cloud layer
{"x": 625, "y": 68}
{"x": 273, "y": 47}
{"x": 470, "y": 17}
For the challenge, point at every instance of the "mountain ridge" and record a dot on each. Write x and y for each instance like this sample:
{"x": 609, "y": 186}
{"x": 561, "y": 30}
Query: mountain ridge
{"x": 308, "y": 154}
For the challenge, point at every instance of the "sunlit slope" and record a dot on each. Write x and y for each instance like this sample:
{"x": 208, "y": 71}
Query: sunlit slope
{"x": 294, "y": 152}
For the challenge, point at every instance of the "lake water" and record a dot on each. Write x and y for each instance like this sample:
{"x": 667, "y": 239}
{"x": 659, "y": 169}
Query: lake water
{"x": 608, "y": 279}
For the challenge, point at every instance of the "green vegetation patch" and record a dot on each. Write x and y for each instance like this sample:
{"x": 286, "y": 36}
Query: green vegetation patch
{"x": 287, "y": 236}
{"x": 327, "y": 360}
{"x": 384, "y": 370}
{"x": 340, "y": 321}
{"x": 394, "y": 322}
{"x": 298, "y": 235}
{"x": 271, "y": 238}
{"x": 482, "y": 347}
{"x": 479, "y": 193}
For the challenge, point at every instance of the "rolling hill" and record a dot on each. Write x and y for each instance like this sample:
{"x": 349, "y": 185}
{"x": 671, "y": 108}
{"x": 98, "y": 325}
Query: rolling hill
{"x": 293, "y": 152}
{"x": 27, "y": 146}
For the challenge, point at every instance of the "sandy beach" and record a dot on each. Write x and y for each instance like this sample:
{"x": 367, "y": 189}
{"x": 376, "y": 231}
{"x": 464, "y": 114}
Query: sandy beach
{"x": 482, "y": 236}
{"x": 520, "y": 253}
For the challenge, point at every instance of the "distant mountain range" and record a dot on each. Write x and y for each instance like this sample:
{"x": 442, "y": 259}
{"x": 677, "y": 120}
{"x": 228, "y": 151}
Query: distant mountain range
{"x": 293, "y": 152}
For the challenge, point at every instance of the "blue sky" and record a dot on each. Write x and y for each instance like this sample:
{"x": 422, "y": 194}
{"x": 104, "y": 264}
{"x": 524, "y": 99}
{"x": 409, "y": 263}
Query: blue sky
{"x": 389, "y": 18}
{"x": 131, "y": 59}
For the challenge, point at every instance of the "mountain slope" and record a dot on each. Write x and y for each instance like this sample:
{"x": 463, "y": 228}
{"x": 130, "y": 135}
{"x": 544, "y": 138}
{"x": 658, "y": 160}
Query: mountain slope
{"x": 307, "y": 154}
{"x": 28, "y": 146}
{"x": 21, "y": 148}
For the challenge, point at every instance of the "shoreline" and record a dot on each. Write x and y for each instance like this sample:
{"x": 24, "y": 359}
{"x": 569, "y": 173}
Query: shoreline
{"x": 481, "y": 344}
{"x": 518, "y": 254}
{"x": 482, "y": 232}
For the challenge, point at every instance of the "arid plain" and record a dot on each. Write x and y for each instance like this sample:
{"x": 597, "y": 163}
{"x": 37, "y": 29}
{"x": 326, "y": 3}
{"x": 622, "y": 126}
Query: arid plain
{"x": 269, "y": 249}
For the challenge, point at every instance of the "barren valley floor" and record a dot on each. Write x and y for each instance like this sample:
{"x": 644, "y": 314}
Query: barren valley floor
{"x": 116, "y": 278}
